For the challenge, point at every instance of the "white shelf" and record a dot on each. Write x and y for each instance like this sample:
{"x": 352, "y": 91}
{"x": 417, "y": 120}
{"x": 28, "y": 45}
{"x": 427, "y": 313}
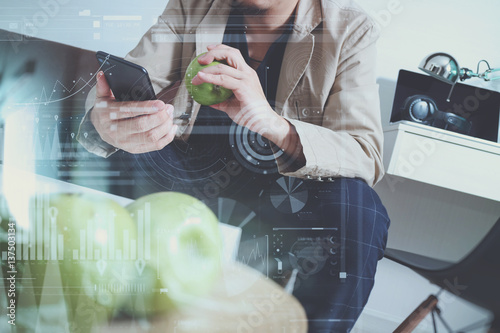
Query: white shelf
{"x": 443, "y": 158}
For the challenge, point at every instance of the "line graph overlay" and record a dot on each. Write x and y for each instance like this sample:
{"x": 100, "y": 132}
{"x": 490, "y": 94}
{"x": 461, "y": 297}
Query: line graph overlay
{"x": 255, "y": 253}
{"x": 44, "y": 99}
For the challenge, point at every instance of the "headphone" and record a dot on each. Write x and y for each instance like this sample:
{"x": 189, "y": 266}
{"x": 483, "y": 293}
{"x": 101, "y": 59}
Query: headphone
{"x": 422, "y": 109}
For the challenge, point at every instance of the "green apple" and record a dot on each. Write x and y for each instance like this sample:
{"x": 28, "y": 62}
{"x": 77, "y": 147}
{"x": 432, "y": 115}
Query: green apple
{"x": 186, "y": 244}
{"x": 205, "y": 93}
{"x": 4, "y": 219}
{"x": 94, "y": 276}
{"x": 4, "y": 209}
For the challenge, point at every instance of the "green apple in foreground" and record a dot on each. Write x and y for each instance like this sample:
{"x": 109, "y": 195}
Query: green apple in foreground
{"x": 186, "y": 243}
{"x": 95, "y": 224}
{"x": 205, "y": 93}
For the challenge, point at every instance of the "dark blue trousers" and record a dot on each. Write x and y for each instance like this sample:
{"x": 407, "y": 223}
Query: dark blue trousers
{"x": 334, "y": 303}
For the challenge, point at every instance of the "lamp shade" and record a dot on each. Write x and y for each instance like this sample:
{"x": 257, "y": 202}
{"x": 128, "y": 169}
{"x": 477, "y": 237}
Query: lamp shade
{"x": 441, "y": 66}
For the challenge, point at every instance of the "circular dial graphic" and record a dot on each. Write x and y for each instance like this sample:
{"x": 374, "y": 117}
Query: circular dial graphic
{"x": 307, "y": 256}
{"x": 253, "y": 151}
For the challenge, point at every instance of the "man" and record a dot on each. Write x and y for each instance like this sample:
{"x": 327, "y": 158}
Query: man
{"x": 302, "y": 74}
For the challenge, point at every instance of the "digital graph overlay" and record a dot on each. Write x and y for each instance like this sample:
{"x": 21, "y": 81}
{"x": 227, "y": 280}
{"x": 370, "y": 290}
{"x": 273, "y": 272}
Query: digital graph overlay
{"x": 254, "y": 247}
{"x": 44, "y": 238}
{"x": 289, "y": 195}
{"x": 253, "y": 151}
{"x": 308, "y": 251}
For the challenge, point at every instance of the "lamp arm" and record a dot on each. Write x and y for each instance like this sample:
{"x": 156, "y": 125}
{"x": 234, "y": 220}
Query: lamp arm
{"x": 466, "y": 73}
{"x": 486, "y": 75}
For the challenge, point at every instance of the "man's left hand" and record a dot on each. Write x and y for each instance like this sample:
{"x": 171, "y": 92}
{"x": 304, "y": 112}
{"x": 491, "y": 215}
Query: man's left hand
{"x": 248, "y": 106}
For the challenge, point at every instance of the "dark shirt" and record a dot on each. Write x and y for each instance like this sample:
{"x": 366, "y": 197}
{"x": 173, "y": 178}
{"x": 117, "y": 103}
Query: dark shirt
{"x": 215, "y": 136}
{"x": 268, "y": 70}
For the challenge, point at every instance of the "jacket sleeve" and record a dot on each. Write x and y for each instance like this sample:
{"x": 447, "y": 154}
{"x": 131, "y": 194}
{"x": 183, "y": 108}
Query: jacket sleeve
{"x": 349, "y": 141}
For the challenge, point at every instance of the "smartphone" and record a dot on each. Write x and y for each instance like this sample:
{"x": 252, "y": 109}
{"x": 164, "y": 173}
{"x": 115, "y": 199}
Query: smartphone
{"x": 128, "y": 81}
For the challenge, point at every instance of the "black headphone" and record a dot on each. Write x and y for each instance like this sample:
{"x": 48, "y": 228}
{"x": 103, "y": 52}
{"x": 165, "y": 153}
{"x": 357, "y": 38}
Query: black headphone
{"x": 422, "y": 109}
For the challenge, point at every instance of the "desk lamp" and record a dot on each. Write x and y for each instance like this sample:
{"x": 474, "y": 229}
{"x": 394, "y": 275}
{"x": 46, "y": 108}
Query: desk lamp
{"x": 444, "y": 67}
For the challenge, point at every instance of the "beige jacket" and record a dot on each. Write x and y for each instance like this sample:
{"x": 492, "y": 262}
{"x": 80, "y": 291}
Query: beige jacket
{"x": 327, "y": 86}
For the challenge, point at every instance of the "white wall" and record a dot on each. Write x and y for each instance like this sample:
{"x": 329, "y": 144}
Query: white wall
{"x": 411, "y": 29}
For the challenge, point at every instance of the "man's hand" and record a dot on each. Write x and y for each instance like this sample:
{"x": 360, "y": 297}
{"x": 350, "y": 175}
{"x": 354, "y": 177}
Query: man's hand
{"x": 135, "y": 127}
{"x": 248, "y": 106}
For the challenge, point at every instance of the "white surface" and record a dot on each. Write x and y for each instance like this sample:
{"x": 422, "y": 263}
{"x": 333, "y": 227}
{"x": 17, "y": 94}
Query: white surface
{"x": 40, "y": 184}
{"x": 434, "y": 221}
{"x": 443, "y": 158}
{"x": 231, "y": 236}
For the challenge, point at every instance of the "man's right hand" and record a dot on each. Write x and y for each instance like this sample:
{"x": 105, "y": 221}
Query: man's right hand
{"x": 135, "y": 127}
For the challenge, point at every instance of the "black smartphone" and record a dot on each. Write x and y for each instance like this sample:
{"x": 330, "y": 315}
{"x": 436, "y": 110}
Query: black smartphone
{"x": 128, "y": 81}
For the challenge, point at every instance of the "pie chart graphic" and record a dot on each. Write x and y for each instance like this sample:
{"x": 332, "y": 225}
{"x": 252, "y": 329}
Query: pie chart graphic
{"x": 233, "y": 212}
{"x": 289, "y": 195}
